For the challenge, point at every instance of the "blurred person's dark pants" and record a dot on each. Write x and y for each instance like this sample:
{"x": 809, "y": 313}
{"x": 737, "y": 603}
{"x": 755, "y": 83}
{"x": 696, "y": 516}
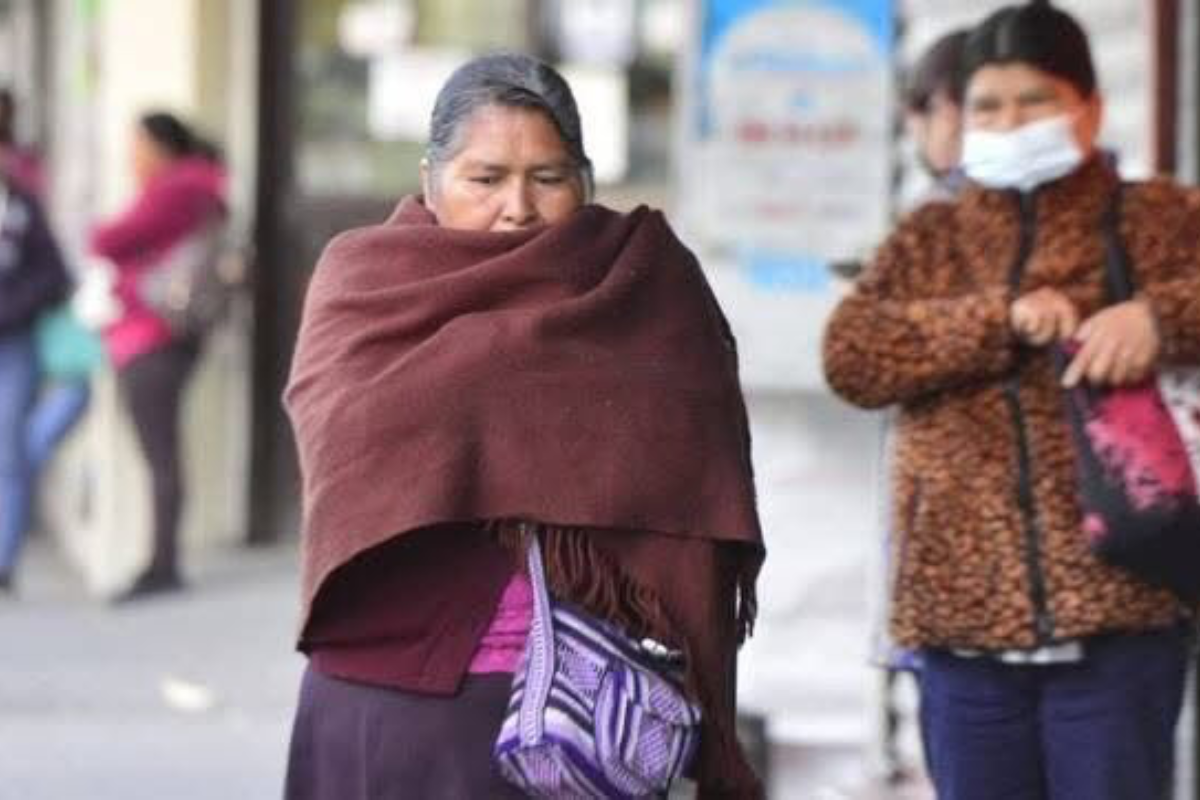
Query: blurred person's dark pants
{"x": 1102, "y": 729}
{"x": 153, "y": 387}
{"x": 18, "y": 391}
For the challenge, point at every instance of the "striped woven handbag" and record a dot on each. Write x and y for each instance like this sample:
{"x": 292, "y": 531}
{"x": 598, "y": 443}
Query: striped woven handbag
{"x": 593, "y": 714}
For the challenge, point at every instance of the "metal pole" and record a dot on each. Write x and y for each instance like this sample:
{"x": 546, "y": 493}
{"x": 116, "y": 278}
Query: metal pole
{"x": 1166, "y": 84}
{"x": 277, "y": 46}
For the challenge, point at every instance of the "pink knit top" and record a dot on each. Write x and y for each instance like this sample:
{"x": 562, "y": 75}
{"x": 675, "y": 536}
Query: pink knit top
{"x": 503, "y": 642}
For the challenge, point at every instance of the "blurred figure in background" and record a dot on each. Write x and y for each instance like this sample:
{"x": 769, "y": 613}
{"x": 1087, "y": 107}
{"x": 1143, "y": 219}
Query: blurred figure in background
{"x": 181, "y": 192}
{"x": 21, "y": 163}
{"x": 1046, "y": 673}
{"x": 933, "y": 113}
{"x": 33, "y": 279}
{"x": 67, "y": 352}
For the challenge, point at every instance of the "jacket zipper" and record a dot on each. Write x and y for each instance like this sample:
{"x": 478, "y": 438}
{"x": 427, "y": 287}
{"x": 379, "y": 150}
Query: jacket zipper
{"x": 1043, "y": 620}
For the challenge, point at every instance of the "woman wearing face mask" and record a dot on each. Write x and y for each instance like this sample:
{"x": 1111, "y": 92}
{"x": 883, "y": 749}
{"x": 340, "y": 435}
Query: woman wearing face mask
{"x": 498, "y": 361}
{"x": 1048, "y": 674}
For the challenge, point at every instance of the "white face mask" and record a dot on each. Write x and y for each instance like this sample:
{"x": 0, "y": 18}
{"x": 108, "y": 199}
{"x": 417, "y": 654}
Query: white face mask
{"x": 1025, "y": 158}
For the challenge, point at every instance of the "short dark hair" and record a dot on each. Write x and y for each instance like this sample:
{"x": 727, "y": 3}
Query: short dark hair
{"x": 1037, "y": 34}
{"x": 176, "y": 137}
{"x": 513, "y": 80}
{"x": 940, "y": 69}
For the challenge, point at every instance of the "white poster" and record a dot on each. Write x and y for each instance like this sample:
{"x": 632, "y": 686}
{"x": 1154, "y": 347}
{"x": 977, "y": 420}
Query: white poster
{"x": 786, "y": 165}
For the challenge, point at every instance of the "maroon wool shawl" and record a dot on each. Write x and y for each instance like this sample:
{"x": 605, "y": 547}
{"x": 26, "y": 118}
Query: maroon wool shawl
{"x": 579, "y": 375}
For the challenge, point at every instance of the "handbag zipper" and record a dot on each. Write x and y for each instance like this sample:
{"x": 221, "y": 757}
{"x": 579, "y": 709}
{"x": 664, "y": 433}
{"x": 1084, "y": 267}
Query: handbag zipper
{"x": 1043, "y": 619}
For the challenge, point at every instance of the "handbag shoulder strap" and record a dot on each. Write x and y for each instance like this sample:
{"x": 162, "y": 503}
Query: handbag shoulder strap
{"x": 540, "y": 656}
{"x": 537, "y": 572}
{"x": 1118, "y": 269}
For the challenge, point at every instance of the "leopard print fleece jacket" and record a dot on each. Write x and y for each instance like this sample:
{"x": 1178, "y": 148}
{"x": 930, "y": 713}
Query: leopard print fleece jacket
{"x": 926, "y": 329}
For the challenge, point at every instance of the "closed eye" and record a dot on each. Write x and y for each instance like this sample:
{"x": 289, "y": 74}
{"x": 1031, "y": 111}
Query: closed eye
{"x": 1033, "y": 100}
{"x": 985, "y": 105}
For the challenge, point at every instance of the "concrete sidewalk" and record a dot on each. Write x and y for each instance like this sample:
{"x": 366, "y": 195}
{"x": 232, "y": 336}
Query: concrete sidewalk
{"x": 191, "y": 697}
{"x": 187, "y": 698}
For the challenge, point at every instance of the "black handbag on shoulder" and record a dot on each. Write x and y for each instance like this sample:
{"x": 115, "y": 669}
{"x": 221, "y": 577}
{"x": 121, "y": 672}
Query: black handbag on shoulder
{"x": 1138, "y": 457}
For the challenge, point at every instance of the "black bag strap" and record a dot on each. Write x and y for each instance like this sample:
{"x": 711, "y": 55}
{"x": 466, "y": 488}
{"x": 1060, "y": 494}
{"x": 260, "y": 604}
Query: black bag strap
{"x": 1118, "y": 270}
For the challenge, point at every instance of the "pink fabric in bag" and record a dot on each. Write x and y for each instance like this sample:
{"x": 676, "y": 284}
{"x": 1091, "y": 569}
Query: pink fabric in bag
{"x": 503, "y": 642}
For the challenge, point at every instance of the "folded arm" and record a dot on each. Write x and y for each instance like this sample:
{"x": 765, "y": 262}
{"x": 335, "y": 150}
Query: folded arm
{"x": 893, "y": 340}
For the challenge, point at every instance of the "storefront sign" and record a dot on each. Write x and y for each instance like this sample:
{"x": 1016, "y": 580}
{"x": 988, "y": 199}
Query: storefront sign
{"x": 786, "y": 159}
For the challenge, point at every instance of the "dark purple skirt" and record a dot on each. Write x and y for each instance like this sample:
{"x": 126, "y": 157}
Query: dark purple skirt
{"x": 352, "y": 741}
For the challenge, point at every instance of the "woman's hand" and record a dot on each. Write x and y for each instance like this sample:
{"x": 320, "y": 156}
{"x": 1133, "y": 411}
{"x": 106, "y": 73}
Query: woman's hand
{"x": 1043, "y": 316}
{"x": 1119, "y": 346}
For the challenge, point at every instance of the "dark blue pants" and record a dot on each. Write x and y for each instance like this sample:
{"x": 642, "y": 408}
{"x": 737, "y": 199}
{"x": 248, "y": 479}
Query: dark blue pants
{"x": 1102, "y": 729}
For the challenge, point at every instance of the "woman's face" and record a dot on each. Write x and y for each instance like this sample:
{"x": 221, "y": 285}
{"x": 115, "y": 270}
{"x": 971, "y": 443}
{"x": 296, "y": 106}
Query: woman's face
{"x": 147, "y": 156}
{"x": 1004, "y": 97}
{"x": 512, "y": 171}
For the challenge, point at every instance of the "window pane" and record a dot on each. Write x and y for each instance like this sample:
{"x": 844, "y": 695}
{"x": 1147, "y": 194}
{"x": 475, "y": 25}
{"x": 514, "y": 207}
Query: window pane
{"x": 361, "y": 68}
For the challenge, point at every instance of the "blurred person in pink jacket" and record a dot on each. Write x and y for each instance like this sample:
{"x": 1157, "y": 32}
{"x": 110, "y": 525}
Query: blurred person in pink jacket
{"x": 181, "y": 191}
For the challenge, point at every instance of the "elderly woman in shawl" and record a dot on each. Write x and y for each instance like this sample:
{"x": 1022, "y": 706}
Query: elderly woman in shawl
{"x": 501, "y": 360}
